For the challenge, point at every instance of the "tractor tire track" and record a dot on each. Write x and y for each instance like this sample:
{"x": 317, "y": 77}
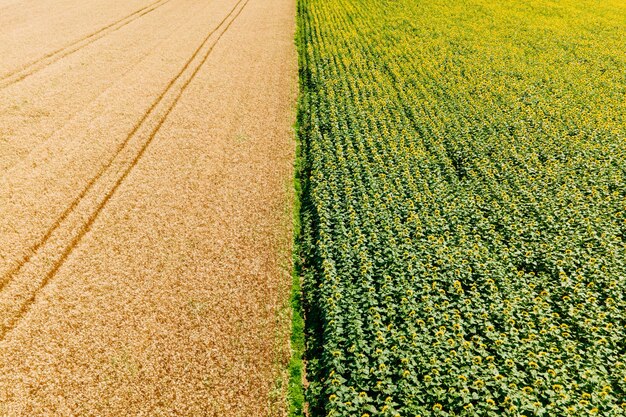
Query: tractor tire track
{"x": 37, "y": 246}
{"x": 113, "y": 173}
{"x": 5, "y": 167}
{"x": 52, "y": 57}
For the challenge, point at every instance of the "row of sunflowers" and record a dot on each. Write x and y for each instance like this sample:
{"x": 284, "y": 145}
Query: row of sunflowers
{"x": 463, "y": 206}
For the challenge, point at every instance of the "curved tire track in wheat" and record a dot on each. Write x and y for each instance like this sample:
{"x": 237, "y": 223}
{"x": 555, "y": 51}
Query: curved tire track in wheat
{"x": 52, "y": 57}
{"x": 186, "y": 75}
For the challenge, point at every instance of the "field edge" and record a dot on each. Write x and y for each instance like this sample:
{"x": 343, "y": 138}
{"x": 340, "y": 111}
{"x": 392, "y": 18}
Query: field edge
{"x": 297, "y": 368}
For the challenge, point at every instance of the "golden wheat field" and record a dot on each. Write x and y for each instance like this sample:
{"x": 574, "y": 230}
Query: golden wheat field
{"x": 146, "y": 165}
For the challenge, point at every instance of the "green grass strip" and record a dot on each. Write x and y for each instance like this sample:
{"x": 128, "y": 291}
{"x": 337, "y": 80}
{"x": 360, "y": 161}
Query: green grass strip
{"x": 296, "y": 364}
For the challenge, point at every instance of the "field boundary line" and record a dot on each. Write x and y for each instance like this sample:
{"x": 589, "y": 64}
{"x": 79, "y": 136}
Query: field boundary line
{"x": 86, "y": 226}
{"x": 50, "y": 58}
{"x": 296, "y": 400}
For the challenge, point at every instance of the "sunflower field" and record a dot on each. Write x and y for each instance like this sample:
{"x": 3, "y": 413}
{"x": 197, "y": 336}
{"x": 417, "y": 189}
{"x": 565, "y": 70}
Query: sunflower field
{"x": 463, "y": 245}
